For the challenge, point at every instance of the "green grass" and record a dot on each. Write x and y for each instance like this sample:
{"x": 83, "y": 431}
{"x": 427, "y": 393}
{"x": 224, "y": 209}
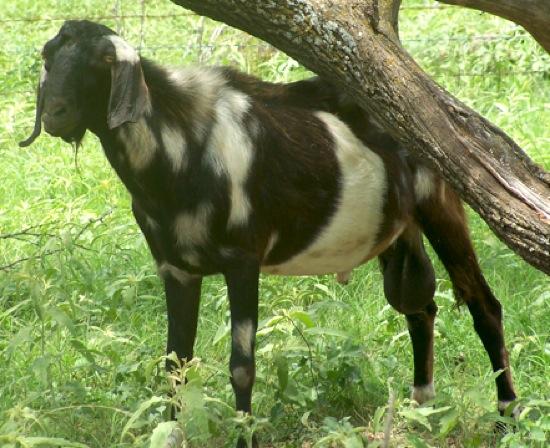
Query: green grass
{"x": 82, "y": 320}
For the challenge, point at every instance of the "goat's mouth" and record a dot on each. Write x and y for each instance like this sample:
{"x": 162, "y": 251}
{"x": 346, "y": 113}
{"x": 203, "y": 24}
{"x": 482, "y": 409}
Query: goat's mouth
{"x": 71, "y": 132}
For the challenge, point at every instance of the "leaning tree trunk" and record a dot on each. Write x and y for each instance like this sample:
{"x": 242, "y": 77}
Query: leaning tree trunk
{"x": 354, "y": 45}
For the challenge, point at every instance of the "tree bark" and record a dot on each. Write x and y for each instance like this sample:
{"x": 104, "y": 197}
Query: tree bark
{"x": 354, "y": 45}
{"x": 533, "y": 15}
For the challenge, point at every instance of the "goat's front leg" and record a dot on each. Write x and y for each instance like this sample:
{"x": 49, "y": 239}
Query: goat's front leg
{"x": 182, "y": 300}
{"x": 242, "y": 285}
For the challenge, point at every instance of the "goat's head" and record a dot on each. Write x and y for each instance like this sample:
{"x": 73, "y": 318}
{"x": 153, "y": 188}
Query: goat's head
{"x": 90, "y": 78}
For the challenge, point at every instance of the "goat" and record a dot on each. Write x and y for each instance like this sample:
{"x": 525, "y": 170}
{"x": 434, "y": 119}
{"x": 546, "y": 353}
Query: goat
{"x": 233, "y": 175}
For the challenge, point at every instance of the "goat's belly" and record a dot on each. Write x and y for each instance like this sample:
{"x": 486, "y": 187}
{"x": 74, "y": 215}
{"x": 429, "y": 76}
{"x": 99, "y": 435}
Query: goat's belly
{"x": 351, "y": 236}
{"x": 334, "y": 253}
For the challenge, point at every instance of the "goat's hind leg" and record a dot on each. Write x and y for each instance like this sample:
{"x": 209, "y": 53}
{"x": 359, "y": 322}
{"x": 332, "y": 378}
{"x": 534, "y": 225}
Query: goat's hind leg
{"x": 421, "y": 331}
{"x": 444, "y": 224}
{"x": 409, "y": 286}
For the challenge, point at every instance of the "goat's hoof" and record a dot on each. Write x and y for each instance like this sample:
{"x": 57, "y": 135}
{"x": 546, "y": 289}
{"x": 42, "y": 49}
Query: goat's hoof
{"x": 242, "y": 443}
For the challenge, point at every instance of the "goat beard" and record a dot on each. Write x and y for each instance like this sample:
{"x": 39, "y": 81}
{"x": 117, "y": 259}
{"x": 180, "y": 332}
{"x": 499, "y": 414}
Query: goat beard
{"x": 75, "y": 137}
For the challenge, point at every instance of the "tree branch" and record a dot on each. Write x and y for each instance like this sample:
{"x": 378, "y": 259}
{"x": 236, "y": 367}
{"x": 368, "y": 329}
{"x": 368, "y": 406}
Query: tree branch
{"x": 533, "y": 15}
{"x": 354, "y": 45}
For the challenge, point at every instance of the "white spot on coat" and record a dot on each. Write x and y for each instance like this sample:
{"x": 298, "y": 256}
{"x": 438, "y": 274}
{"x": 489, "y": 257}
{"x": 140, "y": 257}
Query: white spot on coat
{"x": 243, "y": 335}
{"x": 230, "y": 151}
{"x": 270, "y": 244}
{"x": 202, "y": 86}
{"x": 151, "y": 223}
{"x": 424, "y": 183}
{"x": 191, "y": 228}
{"x": 241, "y": 378}
{"x": 139, "y": 142}
{"x": 350, "y": 236}
{"x": 167, "y": 269}
{"x": 174, "y": 146}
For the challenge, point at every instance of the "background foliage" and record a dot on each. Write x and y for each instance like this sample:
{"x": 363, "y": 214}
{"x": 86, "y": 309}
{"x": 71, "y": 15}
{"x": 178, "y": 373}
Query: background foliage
{"x": 82, "y": 315}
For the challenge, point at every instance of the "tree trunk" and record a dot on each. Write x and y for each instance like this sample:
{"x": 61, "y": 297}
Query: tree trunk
{"x": 354, "y": 45}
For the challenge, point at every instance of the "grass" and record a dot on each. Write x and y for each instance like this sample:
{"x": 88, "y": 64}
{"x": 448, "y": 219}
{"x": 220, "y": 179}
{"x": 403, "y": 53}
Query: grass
{"x": 82, "y": 322}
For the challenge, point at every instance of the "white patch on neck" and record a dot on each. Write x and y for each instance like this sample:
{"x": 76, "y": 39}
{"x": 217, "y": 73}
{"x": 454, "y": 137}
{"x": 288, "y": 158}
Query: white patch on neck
{"x": 175, "y": 146}
{"x": 139, "y": 142}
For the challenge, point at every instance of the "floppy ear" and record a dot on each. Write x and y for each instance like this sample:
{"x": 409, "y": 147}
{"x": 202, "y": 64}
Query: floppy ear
{"x": 129, "y": 94}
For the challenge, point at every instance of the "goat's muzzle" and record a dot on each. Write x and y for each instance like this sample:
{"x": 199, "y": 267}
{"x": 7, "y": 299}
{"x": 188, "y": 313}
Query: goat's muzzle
{"x": 60, "y": 118}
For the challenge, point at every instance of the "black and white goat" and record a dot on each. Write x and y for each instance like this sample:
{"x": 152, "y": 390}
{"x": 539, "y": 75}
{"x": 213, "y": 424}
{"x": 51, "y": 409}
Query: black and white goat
{"x": 229, "y": 174}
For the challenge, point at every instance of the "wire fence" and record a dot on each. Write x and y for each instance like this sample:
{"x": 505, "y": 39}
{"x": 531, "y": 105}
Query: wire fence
{"x": 143, "y": 16}
{"x": 458, "y": 53}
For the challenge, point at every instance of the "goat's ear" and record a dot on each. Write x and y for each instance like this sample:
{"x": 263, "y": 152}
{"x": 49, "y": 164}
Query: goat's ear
{"x": 129, "y": 95}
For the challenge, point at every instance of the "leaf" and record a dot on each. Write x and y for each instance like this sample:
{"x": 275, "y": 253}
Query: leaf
{"x": 419, "y": 417}
{"x": 302, "y": 317}
{"x": 24, "y": 335}
{"x": 327, "y": 332}
{"x": 62, "y": 318}
{"x": 448, "y": 422}
{"x": 164, "y": 434}
{"x": 281, "y": 364}
{"x": 40, "y": 368}
{"x": 417, "y": 442}
{"x": 142, "y": 408}
{"x": 474, "y": 391}
{"x": 52, "y": 441}
{"x": 353, "y": 442}
{"x": 84, "y": 351}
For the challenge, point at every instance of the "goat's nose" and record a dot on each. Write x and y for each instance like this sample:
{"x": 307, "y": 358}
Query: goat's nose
{"x": 56, "y": 108}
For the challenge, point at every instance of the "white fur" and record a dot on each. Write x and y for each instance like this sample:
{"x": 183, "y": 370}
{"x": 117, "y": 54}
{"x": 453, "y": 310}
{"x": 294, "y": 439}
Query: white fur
{"x": 271, "y": 243}
{"x": 140, "y": 143}
{"x": 241, "y": 378}
{"x": 166, "y": 269}
{"x": 151, "y": 223}
{"x": 243, "y": 335}
{"x": 424, "y": 183}
{"x": 350, "y": 236}
{"x": 124, "y": 52}
{"x": 174, "y": 145}
{"x": 230, "y": 151}
{"x": 202, "y": 85}
{"x": 422, "y": 394}
{"x": 192, "y": 228}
